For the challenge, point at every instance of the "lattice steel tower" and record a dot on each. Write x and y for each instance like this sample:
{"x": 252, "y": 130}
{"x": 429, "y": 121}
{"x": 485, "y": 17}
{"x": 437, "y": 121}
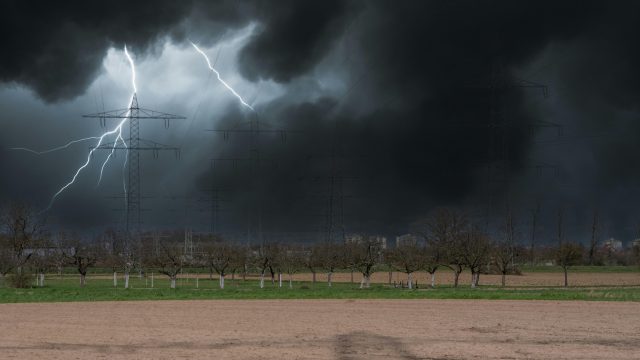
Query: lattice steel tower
{"x": 135, "y": 144}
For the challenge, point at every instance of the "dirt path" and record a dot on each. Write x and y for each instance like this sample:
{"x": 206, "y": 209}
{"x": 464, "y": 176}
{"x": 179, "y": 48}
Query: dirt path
{"x": 446, "y": 278}
{"x": 527, "y": 279}
{"x": 321, "y": 329}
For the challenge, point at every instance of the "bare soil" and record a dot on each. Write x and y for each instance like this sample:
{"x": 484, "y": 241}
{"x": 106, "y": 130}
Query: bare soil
{"x": 445, "y": 277}
{"x": 527, "y": 279}
{"x": 321, "y": 329}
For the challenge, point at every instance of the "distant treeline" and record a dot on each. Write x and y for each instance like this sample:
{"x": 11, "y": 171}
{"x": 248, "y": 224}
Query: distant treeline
{"x": 447, "y": 238}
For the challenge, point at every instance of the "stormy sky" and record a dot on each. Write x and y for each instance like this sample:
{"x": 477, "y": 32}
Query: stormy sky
{"x": 372, "y": 113}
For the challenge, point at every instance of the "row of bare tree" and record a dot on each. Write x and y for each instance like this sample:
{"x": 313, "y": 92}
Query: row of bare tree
{"x": 447, "y": 239}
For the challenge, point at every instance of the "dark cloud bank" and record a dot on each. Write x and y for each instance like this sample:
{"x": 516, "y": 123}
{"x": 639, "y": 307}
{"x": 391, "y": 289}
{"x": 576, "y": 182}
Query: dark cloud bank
{"x": 435, "y": 114}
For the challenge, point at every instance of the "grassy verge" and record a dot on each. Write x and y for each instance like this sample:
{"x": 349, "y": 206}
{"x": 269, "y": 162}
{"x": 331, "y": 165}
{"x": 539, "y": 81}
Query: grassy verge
{"x": 64, "y": 290}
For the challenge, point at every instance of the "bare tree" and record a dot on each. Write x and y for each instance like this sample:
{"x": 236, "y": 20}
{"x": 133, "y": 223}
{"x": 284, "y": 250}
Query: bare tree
{"x": 266, "y": 258}
{"x": 276, "y": 264}
{"x": 57, "y": 256}
{"x": 388, "y": 261}
{"x": 431, "y": 259}
{"x": 42, "y": 258}
{"x": 349, "y": 258}
{"x": 167, "y": 256}
{"x": 535, "y": 213}
{"x": 567, "y": 255}
{"x": 20, "y": 227}
{"x": 240, "y": 261}
{"x": 443, "y": 230}
{"x": 503, "y": 252}
{"x": 262, "y": 259}
{"x": 366, "y": 255}
{"x": 330, "y": 256}
{"x": 292, "y": 259}
{"x": 80, "y": 253}
{"x": 114, "y": 254}
{"x": 636, "y": 252}
{"x": 503, "y": 259}
{"x": 476, "y": 250}
{"x": 408, "y": 259}
{"x": 312, "y": 260}
{"x": 595, "y": 233}
{"x": 219, "y": 257}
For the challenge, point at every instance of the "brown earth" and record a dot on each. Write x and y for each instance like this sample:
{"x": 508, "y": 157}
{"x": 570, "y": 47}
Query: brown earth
{"x": 527, "y": 279}
{"x": 321, "y": 329}
{"x": 446, "y": 277}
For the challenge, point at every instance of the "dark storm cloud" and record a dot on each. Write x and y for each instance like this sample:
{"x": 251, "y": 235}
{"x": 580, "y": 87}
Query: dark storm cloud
{"x": 433, "y": 99}
{"x": 296, "y": 36}
{"x": 448, "y": 65}
{"x": 441, "y": 100}
{"x": 57, "y": 48}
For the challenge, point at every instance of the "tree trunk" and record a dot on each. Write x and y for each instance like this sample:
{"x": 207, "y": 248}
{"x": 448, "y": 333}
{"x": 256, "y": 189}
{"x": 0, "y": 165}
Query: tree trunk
{"x": 83, "y": 280}
{"x": 313, "y": 276}
{"x": 410, "y": 280}
{"x": 566, "y": 282}
{"x": 41, "y": 279}
{"x": 456, "y": 277}
{"x": 290, "y": 281}
{"x": 152, "y": 280}
{"x": 329, "y": 275}
{"x": 368, "y": 281}
{"x": 279, "y": 279}
{"x": 362, "y": 282}
{"x": 262, "y": 280}
{"x": 352, "y": 276}
{"x": 222, "y": 281}
{"x": 504, "y": 279}
{"x": 433, "y": 279}
{"x": 173, "y": 281}
{"x": 473, "y": 279}
{"x": 390, "y": 277}
{"x": 115, "y": 279}
{"x": 126, "y": 279}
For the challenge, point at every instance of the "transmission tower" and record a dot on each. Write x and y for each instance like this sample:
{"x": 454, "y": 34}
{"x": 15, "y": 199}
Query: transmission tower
{"x": 134, "y": 145}
{"x": 213, "y": 201}
{"x": 254, "y": 213}
{"x": 334, "y": 224}
{"x": 253, "y": 128}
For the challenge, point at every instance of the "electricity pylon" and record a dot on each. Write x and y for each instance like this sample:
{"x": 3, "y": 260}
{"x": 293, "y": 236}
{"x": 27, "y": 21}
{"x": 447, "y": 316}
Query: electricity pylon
{"x": 134, "y": 145}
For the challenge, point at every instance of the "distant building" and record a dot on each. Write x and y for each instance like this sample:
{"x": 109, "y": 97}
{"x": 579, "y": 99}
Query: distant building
{"x": 382, "y": 240}
{"x": 612, "y": 244}
{"x": 359, "y": 238}
{"x": 353, "y": 238}
{"x": 406, "y": 239}
{"x": 635, "y": 243}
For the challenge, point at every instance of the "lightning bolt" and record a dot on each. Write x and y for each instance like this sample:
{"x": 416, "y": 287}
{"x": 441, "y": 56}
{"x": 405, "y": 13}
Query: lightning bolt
{"x": 55, "y": 148}
{"x": 244, "y": 103}
{"x": 117, "y": 130}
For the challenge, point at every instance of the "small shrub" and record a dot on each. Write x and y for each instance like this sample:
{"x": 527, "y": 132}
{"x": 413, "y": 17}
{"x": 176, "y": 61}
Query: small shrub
{"x": 20, "y": 280}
